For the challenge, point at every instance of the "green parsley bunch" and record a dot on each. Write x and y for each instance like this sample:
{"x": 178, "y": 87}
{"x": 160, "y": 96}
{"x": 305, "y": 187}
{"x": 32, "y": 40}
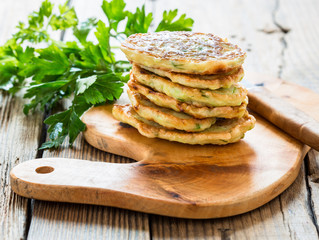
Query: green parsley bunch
{"x": 87, "y": 73}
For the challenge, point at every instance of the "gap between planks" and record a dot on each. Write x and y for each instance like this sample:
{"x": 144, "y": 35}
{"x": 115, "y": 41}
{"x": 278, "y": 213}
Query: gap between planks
{"x": 309, "y": 157}
{"x": 224, "y": 231}
{"x": 39, "y": 154}
{"x": 112, "y": 213}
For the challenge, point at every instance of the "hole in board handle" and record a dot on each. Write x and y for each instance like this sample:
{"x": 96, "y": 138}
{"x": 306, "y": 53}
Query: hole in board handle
{"x": 44, "y": 169}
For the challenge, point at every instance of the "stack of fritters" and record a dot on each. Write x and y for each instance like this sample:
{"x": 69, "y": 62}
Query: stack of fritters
{"x": 185, "y": 87}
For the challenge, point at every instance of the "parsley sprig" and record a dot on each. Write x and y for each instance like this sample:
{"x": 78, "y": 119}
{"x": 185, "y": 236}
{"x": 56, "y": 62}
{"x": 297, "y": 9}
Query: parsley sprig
{"x": 86, "y": 72}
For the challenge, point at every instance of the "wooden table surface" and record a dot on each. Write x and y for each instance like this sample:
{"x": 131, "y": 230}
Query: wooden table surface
{"x": 281, "y": 39}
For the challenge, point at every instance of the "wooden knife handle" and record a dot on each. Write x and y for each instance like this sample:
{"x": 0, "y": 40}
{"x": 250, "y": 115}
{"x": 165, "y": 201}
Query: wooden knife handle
{"x": 293, "y": 121}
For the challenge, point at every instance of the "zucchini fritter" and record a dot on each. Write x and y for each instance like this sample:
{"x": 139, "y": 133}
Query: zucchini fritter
{"x": 185, "y": 52}
{"x": 163, "y": 100}
{"x": 184, "y": 87}
{"x": 232, "y": 96}
{"x": 212, "y": 82}
{"x": 224, "y": 131}
{"x": 166, "y": 117}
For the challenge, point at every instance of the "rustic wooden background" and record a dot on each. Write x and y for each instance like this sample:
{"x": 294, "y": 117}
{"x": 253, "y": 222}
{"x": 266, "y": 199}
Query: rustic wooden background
{"x": 280, "y": 38}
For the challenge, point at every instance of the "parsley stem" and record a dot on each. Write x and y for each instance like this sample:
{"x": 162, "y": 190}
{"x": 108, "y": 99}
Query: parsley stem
{"x": 82, "y": 70}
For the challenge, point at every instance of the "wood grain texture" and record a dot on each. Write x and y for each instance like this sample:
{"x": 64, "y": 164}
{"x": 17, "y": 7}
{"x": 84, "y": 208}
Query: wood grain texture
{"x": 107, "y": 134}
{"x": 313, "y": 180}
{"x": 171, "y": 179}
{"x": 299, "y": 46}
{"x": 298, "y": 64}
{"x": 115, "y": 138}
{"x": 19, "y": 135}
{"x": 75, "y": 221}
{"x": 241, "y": 22}
{"x": 292, "y": 120}
{"x": 256, "y": 27}
{"x": 266, "y": 222}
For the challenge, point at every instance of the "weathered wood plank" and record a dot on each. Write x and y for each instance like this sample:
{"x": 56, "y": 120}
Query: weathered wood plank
{"x": 75, "y": 221}
{"x": 268, "y": 222}
{"x": 254, "y": 27}
{"x": 19, "y": 135}
{"x": 299, "y": 56}
{"x": 313, "y": 180}
{"x": 299, "y": 64}
{"x": 241, "y": 22}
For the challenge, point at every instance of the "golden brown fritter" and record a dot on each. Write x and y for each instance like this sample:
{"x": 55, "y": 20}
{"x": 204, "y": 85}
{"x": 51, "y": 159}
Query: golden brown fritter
{"x": 166, "y": 117}
{"x": 212, "y": 82}
{"x": 185, "y": 52}
{"x": 232, "y": 96}
{"x": 224, "y": 131}
{"x": 163, "y": 100}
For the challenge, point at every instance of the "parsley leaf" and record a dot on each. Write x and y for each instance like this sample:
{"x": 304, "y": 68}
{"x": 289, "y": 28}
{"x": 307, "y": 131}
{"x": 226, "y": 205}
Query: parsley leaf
{"x": 82, "y": 71}
{"x": 51, "y": 61}
{"x": 12, "y": 59}
{"x": 66, "y": 19}
{"x": 106, "y": 87}
{"x": 84, "y": 29}
{"x": 103, "y": 36}
{"x": 114, "y": 11}
{"x": 181, "y": 24}
{"x": 44, "y": 94}
{"x": 91, "y": 90}
{"x": 84, "y": 83}
{"x": 8, "y": 70}
{"x": 35, "y": 31}
{"x": 138, "y": 22}
{"x": 61, "y": 125}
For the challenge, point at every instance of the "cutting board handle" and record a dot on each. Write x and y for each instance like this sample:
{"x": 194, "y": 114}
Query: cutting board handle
{"x": 296, "y": 123}
{"x": 199, "y": 187}
{"x": 71, "y": 180}
{"x": 124, "y": 185}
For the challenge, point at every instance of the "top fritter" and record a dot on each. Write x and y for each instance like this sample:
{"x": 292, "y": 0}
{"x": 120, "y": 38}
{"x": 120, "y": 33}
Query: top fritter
{"x": 185, "y": 52}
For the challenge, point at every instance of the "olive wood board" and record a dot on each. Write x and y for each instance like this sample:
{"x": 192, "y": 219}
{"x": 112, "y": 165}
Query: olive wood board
{"x": 173, "y": 179}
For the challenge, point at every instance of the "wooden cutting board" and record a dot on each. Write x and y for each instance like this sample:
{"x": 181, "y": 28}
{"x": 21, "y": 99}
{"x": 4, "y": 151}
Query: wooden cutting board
{"x": 170, "y": 178}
